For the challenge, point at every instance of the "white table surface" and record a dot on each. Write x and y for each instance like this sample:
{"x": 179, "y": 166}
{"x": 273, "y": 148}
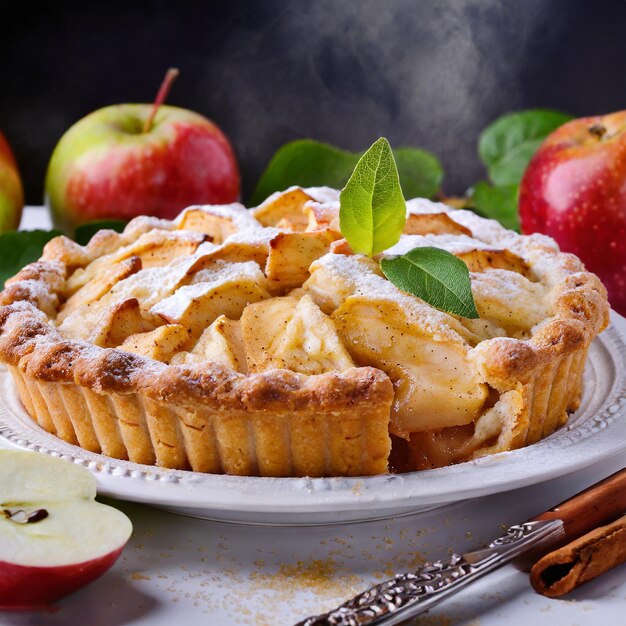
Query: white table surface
{"x": 178, "y": 570}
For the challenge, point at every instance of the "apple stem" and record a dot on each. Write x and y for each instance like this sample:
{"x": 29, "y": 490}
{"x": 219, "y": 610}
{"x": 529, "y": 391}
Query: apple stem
{"x": 164, "y": 89}
{"x": 597, "y": 130}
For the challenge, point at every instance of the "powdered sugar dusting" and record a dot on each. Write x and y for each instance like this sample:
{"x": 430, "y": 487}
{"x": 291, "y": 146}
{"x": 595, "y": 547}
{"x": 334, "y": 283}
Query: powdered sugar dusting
{"x": 510, "y": 299}
{"x": 455, "y": 244}
{"x": 248, "y": 229}
{"x": 144, "y": 224}
{"x": 421, "y": 206}
{"x": 323, "y": 195}
{"x": 206, "y": 280}
{"x": 235, "y": 212}
{"x": 223, "y": 271}
{"x": 253, "y": 234}
{"x": 172, "y": 282}
{"x": 362, "y": 279}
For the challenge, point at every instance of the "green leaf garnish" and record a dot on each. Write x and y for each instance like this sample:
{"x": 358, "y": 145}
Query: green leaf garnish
{"x": 310, "y": 163}
{"x": 436, "y": 276}
{"x": 498, "y": 203}
{"x": 507, "y": 145}
{"x": 372, "y": 209}
{"x": 372, "y": 214}
{"x": 19, "y": 248}
{"x": 86, "y": 231}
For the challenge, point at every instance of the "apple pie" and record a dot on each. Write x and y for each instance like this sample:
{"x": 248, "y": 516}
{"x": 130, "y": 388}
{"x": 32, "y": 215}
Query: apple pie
{"x": 255, "y": 342}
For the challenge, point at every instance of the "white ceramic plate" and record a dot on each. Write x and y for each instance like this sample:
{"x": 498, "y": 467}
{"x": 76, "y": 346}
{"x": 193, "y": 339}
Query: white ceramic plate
{"x": 596, "y": 431}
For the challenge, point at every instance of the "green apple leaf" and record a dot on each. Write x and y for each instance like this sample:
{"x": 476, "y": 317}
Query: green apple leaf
{"x": 435, "y": 276}
{"x": 372, "y": 209}
{"x": 507, "y": 145}
{"x": 19, "y": 248}
{"x": 306, "y": 163}
{"x": 498, "y": 203}
{"x": 86, "y": 231}
{"x": 310, "y": 163}
{"x": 421, "y": 173}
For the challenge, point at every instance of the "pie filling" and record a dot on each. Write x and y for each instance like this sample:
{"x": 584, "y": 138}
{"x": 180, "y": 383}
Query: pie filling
{"x": 277, "y": 288}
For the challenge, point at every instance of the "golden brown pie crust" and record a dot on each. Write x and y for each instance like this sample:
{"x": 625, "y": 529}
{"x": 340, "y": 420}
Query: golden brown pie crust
{"x": 210, "y": 418}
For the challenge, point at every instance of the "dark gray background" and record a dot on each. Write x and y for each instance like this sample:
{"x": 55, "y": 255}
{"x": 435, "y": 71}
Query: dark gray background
{"x": 430, "y": 73}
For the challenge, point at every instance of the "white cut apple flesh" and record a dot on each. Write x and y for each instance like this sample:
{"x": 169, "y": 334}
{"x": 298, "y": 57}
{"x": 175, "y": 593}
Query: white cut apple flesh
{"x": 70, "y": 539}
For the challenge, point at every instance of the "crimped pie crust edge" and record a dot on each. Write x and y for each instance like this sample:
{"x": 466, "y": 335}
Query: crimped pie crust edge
{"x": 555, "y": 353}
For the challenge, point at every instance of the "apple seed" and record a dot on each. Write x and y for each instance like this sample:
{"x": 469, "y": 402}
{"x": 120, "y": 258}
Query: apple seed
{"x": 22, "y": 517}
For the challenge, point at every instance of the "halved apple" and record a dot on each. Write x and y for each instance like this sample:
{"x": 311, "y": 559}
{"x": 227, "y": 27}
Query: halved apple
{"x": 54, "y": 538}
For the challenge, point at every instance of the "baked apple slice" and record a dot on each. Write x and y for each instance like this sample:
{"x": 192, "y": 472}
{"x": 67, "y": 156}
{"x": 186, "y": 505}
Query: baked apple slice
{"x": 291, "y": 255}
{"x": 218, "y": 227}
{"x": 294, "y": 334}
{"x": 433, "y": 224}
{"x": 225, "y": 288}
{"x": 159, "y": 344}
{"x": 286, "y": 207}
{"x": 98, "y": 286}
{"x": 221, "y": 342}
{"x": 156, "y": 248}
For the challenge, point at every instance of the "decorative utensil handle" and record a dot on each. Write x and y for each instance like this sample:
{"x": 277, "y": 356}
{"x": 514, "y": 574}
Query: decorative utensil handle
{"x": 410, "y": 594}
{"x": 407, "y": 595}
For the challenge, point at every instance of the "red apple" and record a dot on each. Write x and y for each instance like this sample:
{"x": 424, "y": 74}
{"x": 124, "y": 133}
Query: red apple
{"x": 54, "y": 538}
{"x": 11, "y": 193}
{"x": 139, "y": 159}
{"x": 574, "y": 190}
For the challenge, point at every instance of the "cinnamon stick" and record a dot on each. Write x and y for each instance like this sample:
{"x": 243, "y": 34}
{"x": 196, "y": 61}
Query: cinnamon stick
{"x": 580, "y": 561}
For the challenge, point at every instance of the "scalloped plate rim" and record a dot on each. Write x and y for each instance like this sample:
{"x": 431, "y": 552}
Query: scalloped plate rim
{"x": 232, "y": 496}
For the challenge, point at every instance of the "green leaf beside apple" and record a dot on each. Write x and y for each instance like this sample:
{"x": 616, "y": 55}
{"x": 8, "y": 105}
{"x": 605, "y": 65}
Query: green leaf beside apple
{"x": 420, "y": 172}
{"x": 86, "y": 231}
{"x": 309, "y": 163}
{"x": 507, "y": 144}
{"x": 506, "y": 147}
{"x": 19, "y": 248}
{"x": 498, "y": 202}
